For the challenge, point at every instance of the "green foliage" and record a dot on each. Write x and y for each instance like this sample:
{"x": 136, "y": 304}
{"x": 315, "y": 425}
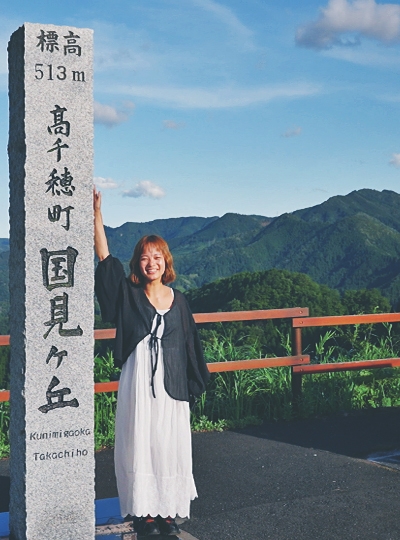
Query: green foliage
{"x": 104, "y": 369}
{"x": 327, "y": 393}
{"x": 246, "y": 394}
{"x": 365, "y": 301}
{"x": 265, "y": 393}
{"x": 4, "y": 429}
{"x": 105, "y": 404}
{"x": 203, "y": 423}
{"x": 274, "y": 289}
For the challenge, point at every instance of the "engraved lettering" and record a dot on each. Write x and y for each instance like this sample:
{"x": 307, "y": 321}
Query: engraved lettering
{"x": 78, "y": 76}
{"x": 58, "y": 267}
{"x": 48, "y": 41}
{"x": 59, "y": 315}
{"x": 57, "y": 395}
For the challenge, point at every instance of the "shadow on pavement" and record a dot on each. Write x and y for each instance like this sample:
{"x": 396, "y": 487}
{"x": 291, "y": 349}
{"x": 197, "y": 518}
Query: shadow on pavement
{"x": 355, "y": 434}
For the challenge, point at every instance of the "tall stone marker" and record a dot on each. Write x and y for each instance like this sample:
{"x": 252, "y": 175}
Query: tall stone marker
{"x": 51, "y": 283}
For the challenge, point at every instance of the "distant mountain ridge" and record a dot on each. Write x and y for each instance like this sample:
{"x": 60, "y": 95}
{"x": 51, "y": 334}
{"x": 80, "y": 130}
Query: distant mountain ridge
{"x": 347, "y": 242}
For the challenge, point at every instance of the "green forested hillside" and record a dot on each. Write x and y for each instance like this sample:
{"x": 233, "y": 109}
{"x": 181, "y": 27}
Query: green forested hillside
{"x": 350, "y": 242}
{"x": 122, "y": 239}
{"x": 347, "y": 242}
{"x": 274, "y": 289}
{"x": 357, "y": 251}
{"x": 383, "y": 205}
{"x": 271, "y": 289}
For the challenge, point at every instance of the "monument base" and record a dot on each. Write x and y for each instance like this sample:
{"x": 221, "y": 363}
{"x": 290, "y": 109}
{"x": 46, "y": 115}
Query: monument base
{"x": 119, "y": 530}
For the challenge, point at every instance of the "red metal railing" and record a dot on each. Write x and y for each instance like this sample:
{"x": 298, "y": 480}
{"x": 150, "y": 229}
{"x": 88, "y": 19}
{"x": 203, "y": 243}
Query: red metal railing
{"x": 299, "y": 362}
{"x": 312, "y": 322}
{"x": 201, "y": 318}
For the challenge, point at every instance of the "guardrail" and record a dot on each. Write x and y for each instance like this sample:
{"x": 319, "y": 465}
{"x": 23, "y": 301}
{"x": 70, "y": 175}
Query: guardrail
{"x": 328, "y": 367}
{"x": 202, "y": 318}
{"x": 299, "y": 363}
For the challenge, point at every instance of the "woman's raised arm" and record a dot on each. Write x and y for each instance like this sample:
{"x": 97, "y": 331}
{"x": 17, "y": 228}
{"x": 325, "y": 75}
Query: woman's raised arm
{"x": 100, "y": 239}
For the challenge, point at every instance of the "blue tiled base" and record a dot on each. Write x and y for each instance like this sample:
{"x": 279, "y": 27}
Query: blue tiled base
{"x": 107, "y": 512}
{"x": 4, "y": 530}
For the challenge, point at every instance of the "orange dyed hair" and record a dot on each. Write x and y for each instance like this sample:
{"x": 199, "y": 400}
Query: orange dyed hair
{"x": 159, "y": 243}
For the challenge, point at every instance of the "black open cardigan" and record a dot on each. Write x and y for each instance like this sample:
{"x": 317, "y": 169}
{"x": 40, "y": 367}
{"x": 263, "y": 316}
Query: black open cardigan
{"x": 127, "y": 306}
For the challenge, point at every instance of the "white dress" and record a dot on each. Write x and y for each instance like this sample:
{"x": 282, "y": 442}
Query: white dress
{"x": 153, "y": 445}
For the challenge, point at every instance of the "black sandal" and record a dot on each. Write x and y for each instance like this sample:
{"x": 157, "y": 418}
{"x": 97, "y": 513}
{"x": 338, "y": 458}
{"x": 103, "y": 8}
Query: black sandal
{"x": 146, "y": 526}
{"x": 168, "y": 526}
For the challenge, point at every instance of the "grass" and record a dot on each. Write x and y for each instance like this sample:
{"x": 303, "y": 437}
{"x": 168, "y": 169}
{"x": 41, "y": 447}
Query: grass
{"x": 239, "y": 398}
{"x": 265, "y": 394}
{"x": 4, "y": 427}
{"x": 105, "y": 404}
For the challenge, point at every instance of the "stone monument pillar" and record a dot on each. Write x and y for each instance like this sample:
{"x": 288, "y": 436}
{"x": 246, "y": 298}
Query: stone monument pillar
{"x": 51, "y": 283}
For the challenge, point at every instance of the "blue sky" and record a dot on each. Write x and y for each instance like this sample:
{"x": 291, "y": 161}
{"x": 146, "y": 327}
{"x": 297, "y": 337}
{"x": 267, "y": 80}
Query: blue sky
{"x": 204, "y": 107}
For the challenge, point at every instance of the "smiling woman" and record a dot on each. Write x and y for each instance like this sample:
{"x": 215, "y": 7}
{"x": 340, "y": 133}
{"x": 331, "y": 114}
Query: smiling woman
{"x": 163, "y": 369}
{"x": 152, "y": 260}
{"x": 151, "y": 263}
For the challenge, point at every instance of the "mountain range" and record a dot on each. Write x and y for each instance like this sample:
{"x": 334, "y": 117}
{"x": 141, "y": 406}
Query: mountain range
{"x": 347, "y": 242}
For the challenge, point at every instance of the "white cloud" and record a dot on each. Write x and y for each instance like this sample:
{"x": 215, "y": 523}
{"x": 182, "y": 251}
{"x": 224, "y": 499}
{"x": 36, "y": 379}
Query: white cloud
{"x": 370, "y": 54}
{"x": 104, "y": 183}
{"x": 395, "y": 161}
{"x": 355, "y": 18}
{"x": 226, "y": 16}
{"x": 292, "y": 132}
{"x": 171, "y": 124}
{"x": 145, "y": 188}
{"x": 119, "y": 48}
{"x": 320, "y": 190}
{"x": 110, "y": 116}
{"x": 218, "y": 98}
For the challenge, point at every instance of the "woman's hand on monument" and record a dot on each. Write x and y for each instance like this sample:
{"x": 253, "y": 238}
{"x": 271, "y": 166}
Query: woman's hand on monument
{"x": 100, "y": 239}
{"x": 96, "y": 200}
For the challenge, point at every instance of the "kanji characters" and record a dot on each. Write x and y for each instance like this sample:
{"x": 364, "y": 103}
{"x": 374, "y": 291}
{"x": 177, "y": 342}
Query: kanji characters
{"x": 59, "y": 316}
{"x": 58, "y": 396}
{"x": 55, "y": 214}
{"x": 72, "y": 47}
{"x": 60, "y": 125}
{"x": 48, "y": 41}
{"x": 58, "y": 267}
{"x": 58, "y": 146}
{"x": 60, "y": 184}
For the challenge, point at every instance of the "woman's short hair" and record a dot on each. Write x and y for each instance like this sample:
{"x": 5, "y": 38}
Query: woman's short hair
{"x": 159, "y": 243}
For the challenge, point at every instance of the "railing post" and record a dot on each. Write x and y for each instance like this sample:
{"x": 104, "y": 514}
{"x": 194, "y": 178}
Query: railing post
{"x": 296, "y": 377}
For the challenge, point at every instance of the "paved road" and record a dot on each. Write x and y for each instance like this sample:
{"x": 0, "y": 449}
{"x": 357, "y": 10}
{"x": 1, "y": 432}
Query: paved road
{"x": 293, "y": 481}
{"x": 299, "y": 481}
{"x": 304, "y": 480}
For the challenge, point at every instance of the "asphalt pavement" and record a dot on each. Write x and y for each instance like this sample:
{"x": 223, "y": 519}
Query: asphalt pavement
{"x": 302, "y": 480}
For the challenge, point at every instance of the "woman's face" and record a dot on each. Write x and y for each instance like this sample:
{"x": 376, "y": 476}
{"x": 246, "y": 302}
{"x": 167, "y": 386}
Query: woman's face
{"x": 151, "y": 263}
